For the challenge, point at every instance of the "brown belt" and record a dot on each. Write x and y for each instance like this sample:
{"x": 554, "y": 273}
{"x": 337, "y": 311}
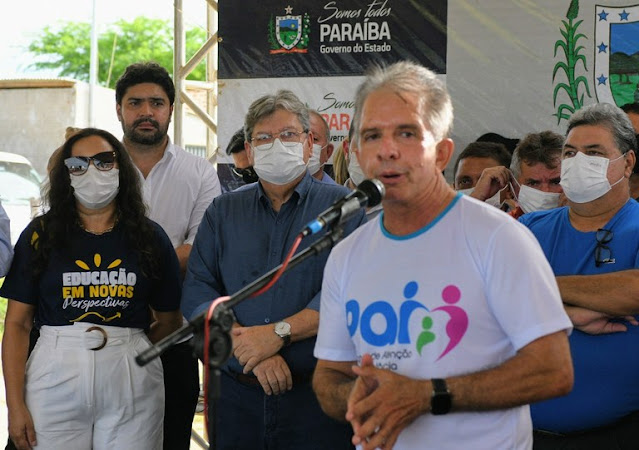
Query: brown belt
{"x": 251, "y": 380}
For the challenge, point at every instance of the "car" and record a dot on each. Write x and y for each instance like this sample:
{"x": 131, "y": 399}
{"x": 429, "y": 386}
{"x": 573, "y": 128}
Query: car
{"x": 20, "y": 198}
{"x": 20, "y": 165}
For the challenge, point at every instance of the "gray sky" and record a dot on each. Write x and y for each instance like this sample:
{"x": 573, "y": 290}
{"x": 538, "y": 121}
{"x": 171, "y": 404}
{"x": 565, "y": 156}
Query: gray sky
{"x": 24, "y": 19}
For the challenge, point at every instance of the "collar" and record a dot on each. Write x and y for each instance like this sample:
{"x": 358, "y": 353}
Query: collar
{"x": 302, "y": 188}
{"x": 169, "y": 151}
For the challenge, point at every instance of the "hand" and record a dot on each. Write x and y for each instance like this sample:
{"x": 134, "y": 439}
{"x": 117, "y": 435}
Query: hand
{"x": 491, "y": 181}
{"x": 251, "y": 345}
{"x": 21, "y": 429}
{"x": 274, "y": 375}
{"x": 381, "y": 404}
{"x": 595, "y": 322}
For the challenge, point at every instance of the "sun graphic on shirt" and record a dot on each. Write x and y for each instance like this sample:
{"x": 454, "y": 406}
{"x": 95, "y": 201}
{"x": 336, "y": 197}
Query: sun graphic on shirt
{"x": 97, "y": 261}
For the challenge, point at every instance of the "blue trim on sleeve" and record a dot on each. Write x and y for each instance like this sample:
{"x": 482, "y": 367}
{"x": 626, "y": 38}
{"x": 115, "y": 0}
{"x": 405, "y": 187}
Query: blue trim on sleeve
{"x": 421, "y": 230}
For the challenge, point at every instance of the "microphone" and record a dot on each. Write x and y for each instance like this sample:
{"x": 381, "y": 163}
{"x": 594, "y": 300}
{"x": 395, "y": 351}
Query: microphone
{"x": 368, "y": 193}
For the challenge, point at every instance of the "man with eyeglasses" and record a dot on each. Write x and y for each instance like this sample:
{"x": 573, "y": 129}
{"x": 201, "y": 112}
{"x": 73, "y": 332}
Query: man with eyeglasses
{"x": 322, "y": 148}
{"x": 593, "y": 247}
{"x": 177, "y": 188}
{"x": 266, "y": 399}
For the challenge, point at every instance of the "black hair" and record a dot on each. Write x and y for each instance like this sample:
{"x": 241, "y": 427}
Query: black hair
{"x": 145, "y": 72}
{"x": 60, "y": 223}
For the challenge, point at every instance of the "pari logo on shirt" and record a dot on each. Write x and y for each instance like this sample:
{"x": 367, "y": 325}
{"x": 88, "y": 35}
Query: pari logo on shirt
{"x": 110, "y": 288}
{"x": 381, "y": 323}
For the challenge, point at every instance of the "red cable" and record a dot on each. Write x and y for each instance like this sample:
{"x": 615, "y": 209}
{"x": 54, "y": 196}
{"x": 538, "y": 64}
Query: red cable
{"x": 209, "y": 314}
{"x": 281, "y": 270}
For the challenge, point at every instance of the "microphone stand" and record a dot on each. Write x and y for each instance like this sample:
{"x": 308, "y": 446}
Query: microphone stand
{"x": 220, "y": 342}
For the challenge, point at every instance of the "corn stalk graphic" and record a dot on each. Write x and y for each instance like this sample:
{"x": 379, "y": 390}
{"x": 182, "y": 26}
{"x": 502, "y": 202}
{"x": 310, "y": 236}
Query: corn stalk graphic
{"x": 573, "y": 55}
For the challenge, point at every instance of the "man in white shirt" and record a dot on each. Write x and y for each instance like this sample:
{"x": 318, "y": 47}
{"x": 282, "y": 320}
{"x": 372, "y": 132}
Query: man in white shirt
{"x": 431, "y": 336}
{"x": 178, "y": 187}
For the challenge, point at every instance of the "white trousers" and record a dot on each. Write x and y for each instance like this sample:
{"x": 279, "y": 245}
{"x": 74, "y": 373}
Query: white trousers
{"x": 94, "y": 399}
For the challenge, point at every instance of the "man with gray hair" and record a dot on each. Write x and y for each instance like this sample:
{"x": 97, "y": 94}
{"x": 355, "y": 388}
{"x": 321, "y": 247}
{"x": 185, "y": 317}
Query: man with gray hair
{"x": 322, "y": 147}
{"x": 536, "y": 169}
{"x": 267, "y": 399}
{"x": 593, "y": 247}
{"x": 431, "y": 335}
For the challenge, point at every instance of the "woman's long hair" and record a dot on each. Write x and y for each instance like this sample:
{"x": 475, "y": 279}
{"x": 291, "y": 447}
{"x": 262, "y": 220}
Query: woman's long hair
{"x": 61, "y": 222}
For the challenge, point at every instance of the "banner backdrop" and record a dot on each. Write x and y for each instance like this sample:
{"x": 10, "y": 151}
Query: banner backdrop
{"x": 297, "y": 38}
{"x": 319, "y": 50}
{"x": 512, "y": 67}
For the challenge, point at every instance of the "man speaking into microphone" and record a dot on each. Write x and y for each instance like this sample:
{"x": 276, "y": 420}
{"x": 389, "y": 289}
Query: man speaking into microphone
{"x": 267, "y": 399}
{"x": 440, "y": 319}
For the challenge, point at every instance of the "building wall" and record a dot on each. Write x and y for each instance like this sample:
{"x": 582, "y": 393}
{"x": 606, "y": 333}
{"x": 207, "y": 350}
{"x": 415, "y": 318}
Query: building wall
{"x": 36, "y": 114}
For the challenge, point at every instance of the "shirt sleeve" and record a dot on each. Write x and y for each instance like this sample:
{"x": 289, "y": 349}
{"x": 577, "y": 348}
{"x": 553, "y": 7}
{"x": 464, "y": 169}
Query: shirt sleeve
{"x": 351, "y": 225}
{"x": 209, "y": 189}
{"x": 18, "y": 284}
{"x": 167, "y": 290}
{"x": 202, "y": 284}
{"x": 333, "y": 340}
{"x": 522, "y": 290}
{"x": 6, "y": 250}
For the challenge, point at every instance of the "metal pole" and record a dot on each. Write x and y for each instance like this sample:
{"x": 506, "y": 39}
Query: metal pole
{"x": 93, "y": 69}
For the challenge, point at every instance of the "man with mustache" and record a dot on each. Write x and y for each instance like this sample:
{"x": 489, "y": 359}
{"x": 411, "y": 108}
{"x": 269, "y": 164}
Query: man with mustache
{"x": 177, "y": 187}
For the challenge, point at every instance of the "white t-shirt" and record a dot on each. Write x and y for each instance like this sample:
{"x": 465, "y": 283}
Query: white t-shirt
{"x": 461, "y": 295}
{"x": 178, "y": 190}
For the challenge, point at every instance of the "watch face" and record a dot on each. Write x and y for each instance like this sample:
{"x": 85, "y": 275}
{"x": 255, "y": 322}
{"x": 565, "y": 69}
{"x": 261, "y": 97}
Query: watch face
{"x": 440, "y": 403}
{"x": 282, "y": 328}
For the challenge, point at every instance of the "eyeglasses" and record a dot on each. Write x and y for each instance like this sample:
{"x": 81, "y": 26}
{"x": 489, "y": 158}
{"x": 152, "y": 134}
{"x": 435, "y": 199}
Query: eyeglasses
{"x": 288, "y": 138}
{"x": 248, "y": 174}
{"x": 603, "y": 254}
{"x": 78, "y": 165}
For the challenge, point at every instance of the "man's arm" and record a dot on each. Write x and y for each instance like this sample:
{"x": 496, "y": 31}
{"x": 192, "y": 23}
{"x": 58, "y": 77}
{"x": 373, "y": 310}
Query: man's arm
{"x": 6, "y": 249}
{"x": 387, "y": 402}
{"x": 251, "y": 345}
{"x": 202, "y": 283}
{"x": 165, "y": 323}
{"x": 491, "y": 181}
{"x": 616, "y": 294}
{"x": 333, "y": 382}
{"x": 209, "y": 189}
{"x": 183, "y": 252}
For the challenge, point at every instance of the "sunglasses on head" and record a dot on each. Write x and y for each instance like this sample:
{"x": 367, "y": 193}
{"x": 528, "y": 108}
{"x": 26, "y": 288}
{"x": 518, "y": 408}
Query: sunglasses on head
{"x": 78, "y": 165}
{"x": 247, "y": 174}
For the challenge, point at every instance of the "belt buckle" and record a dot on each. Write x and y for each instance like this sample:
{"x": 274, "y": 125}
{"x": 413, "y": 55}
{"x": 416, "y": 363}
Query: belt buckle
{"x": 104, "y": 337}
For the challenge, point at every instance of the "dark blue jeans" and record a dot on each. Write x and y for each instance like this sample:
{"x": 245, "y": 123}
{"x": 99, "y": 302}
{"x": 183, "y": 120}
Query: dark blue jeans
{"x": 249, "y": 419}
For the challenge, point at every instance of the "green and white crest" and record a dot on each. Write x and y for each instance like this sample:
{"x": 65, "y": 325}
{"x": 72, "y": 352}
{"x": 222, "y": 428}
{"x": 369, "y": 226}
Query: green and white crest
{"x": 616, "y": 54}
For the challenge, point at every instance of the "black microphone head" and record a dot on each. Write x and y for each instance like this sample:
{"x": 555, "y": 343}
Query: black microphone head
{"x": 374, "y": 190}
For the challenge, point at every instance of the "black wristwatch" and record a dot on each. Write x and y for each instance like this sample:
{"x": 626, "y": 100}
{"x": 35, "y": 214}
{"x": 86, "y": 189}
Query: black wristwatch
{"x": 441, "y": 400}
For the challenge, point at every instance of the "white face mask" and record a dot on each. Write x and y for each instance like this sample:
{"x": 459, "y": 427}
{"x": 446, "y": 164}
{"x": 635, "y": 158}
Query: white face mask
{"x": 279, "y": 164}
{"x": 531, "y": 199}
{"x": 585, "y": 178}
{"x": 354, "y": 170}
{"x": 96, "y": 188}
{"x": 495, "y": 199}
{"x": 314, "y": 165}
{"x": 466, "y": 191}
